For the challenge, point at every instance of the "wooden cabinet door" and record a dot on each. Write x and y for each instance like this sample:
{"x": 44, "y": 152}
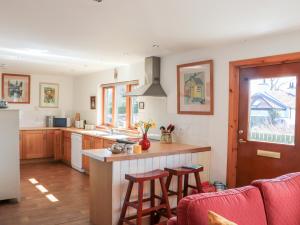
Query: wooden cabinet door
{"x": 88, "y": 142}
{"x": 67, "y": 147}
{"x": 98, "y": 143}
{"x": 108, "y": 143}
{"x": 57, "y": 145}
{"x": 49, "y": 150}
{"x": 21, "y": 146}
{"x": 33, "y": 144}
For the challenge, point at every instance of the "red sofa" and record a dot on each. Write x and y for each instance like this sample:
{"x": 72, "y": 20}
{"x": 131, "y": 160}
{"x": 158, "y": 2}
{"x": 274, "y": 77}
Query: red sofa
{"x": 265, "y": 202}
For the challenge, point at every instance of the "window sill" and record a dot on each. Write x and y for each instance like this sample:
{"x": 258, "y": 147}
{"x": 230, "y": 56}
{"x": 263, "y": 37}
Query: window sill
{"x": 131, "y": 131}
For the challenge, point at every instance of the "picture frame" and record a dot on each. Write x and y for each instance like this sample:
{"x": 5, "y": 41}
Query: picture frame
{"x": 49, "y": 95}
{"x": 141, "y": 105}
{"x": 195, "y": 88}
{"x": 16, "y": 88}
{"x": 93, "y": 102}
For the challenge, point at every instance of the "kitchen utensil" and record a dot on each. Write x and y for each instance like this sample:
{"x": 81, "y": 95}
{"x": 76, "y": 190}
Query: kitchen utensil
{"x": 137, "y": 149}
{"x": 166, "y": 138}
{"x": 49, "y": 121}
{"x": 117, "y": 148}
{"x": 89, "y": 127}
{"x": 3, "y": 104}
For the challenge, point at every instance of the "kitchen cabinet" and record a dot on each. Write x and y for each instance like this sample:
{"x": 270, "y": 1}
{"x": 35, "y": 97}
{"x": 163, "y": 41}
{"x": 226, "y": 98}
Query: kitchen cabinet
{"x": 38, "y": 144}
{"x": 108, "y": 143}
{"x": 57, "y": 145}
{"x": 34, "y": 144}
{"x": 89, "y": 142}
{"x": 67, "y": 147}
{"x": 49, "y": 150}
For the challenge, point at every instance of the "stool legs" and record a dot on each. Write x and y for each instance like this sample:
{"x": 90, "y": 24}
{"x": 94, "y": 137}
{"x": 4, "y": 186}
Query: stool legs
{"x": 186, "y": 185}
{"x": 140, "y": 205}
{"x": 179, "y": 188}
{"x": 165, "y": 197}
{"x": 126, "y": 200}
{"x": 152, "y": 200}
{"x": 198, "y": 183}
{"x": 153, "y": 211}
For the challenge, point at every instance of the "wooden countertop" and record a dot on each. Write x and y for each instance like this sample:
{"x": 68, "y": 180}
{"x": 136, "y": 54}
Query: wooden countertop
{"x": 156, "y": 149}
{"x": 80, "y": 131}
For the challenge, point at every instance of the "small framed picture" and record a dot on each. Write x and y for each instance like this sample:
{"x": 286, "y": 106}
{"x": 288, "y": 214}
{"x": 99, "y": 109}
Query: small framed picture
{"x": 141, "y": 105}
{"x": 49, "y": 95}
{"x": 16, "y": 88}
{"x": 93, "y": 102}
{"x": 195, "y": 94}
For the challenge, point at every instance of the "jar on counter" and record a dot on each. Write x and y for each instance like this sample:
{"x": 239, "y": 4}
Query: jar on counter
{"x": 166, "y": 138}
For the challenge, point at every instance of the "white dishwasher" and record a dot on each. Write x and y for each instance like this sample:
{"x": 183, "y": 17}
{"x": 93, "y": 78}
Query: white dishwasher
{"x": 76, "y": 152}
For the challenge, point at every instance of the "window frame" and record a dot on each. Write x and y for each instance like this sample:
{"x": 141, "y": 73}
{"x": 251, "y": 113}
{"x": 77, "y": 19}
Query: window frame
{"x": 129, "y": 108}
{"x": 129, "y": 86}
{"x": 113, "y": 106}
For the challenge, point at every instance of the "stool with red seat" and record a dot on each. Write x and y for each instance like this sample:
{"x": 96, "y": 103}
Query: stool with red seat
{"x": 183, "y": 181}
{"x": 151, "y": 176}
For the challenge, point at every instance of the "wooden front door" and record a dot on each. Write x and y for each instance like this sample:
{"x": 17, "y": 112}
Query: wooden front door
{"x": 269, "y": 122}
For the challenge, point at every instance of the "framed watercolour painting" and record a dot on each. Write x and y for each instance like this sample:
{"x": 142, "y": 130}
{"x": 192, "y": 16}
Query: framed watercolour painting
{"x": 16, "y": 88}
{"x": 49, "y": 94}
{"x": 195, "y": 94}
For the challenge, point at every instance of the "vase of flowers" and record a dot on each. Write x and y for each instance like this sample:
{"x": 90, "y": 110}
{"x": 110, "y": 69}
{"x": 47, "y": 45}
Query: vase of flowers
{"x": 144, "y": 127}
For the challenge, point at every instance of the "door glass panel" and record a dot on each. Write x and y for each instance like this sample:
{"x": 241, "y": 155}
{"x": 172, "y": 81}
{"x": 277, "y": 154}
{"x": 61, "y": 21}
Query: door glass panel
{"x": 272, "y": 105}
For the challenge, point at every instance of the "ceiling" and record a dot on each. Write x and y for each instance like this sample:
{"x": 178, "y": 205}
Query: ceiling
{"x": 77, "y": 37}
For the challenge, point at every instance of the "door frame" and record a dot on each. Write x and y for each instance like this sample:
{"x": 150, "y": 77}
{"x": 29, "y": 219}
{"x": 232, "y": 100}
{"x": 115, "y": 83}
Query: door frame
{"x": 234, "y": 77}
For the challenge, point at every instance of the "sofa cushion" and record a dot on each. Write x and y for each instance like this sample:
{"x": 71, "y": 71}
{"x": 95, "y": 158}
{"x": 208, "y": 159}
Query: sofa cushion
{"x": 282, "y": 199}
{"x": 216, "y": 219}
{"x": 242, "y": 206}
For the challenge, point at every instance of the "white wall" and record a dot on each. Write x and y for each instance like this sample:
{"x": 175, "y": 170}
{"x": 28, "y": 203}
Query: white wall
{"x": 33, "y": 116}
{"x": 86, "y": 86}
{"x": 191, "y": 129}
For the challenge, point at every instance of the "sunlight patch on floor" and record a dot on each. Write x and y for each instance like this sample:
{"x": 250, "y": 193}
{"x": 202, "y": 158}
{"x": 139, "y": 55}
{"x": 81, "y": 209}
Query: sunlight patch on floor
{"x": 43, "y": 190}
{"x": 52, "y": 198}
{"x": 33, "y": 181}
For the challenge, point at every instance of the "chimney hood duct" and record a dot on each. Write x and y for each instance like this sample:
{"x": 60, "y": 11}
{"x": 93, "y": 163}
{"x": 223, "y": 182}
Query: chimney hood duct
{"x": 152, "y": 85}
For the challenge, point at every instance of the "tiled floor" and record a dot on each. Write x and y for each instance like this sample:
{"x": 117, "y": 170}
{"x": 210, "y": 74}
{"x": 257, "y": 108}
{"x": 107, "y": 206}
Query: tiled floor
{"x": 67, "y": 185}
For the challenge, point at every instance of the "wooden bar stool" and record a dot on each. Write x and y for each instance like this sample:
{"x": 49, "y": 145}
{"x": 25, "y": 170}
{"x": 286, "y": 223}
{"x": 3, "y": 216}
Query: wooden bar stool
{"x": 183, "y": 176}
{"x": 138, "y": 205}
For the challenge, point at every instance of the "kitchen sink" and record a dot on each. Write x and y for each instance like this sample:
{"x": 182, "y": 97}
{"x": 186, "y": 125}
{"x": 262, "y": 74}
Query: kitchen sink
{"x": 95, "y": 133}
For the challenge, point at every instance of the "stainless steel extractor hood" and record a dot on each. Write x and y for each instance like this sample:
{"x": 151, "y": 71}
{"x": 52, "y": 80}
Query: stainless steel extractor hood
{"x": 152, "y": 85}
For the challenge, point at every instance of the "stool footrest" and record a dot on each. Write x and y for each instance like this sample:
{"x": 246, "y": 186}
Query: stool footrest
{"x": 146, "y": 212}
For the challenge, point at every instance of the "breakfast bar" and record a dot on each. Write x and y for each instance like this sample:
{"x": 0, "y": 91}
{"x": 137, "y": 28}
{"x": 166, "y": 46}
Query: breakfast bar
{"x": 107, "y": 174}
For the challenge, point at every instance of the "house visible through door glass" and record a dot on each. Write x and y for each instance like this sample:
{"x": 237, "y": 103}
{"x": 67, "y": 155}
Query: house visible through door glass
{"x": 272, "y": 106}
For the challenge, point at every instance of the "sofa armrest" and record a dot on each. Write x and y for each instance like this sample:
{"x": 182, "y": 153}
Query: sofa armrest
{"x": 172, "y": 221}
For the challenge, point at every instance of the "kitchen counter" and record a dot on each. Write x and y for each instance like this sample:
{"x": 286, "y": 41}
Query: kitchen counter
{"x": 94, "y": 133}
{"x": 156, "y": 149}
{"x": 107, "y": 175}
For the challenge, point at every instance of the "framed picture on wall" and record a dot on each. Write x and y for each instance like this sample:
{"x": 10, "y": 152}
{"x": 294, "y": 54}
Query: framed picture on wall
{"x": 49, "y": 95}
{"x": 141, "y": 105}
{"x": 195, "y": 94}
{"x": 16, "y": 88}
{"x": 93, "y": 102}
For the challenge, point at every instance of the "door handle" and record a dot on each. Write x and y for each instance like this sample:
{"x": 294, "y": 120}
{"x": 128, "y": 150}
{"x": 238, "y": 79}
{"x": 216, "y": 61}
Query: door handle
{"x": 242, "y": 141}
